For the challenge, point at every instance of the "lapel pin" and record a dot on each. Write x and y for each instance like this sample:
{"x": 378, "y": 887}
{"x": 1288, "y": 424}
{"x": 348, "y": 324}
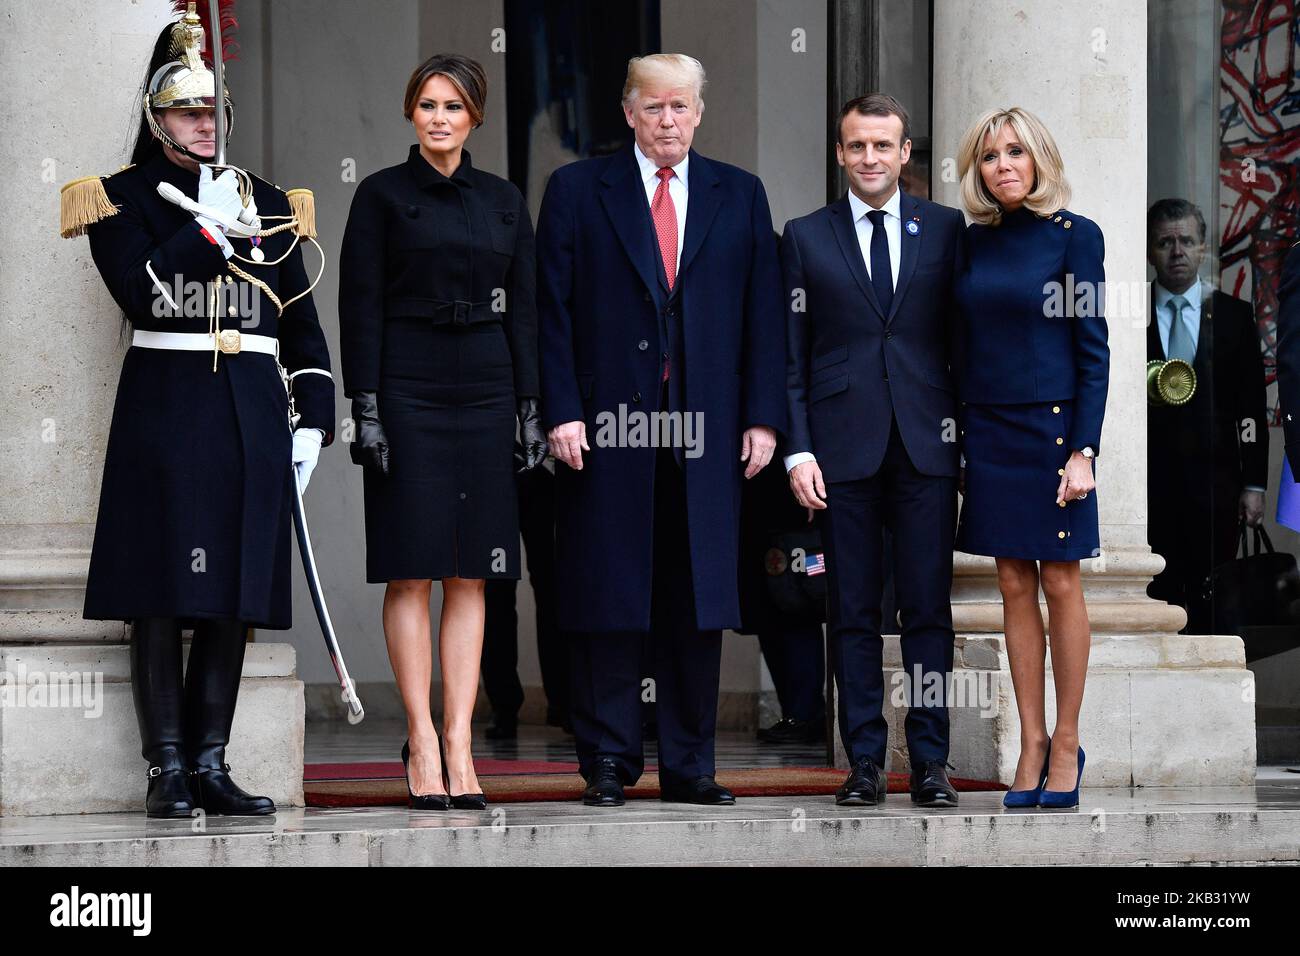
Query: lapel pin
{"x": 913, "y": 227}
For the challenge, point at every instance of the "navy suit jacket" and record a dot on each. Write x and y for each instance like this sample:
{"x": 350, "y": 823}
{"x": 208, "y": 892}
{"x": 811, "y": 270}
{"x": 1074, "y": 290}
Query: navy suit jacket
{"x": 850, "y": 366}
{"x": 1033, "y": 329}
{"x": 603, "y": 308}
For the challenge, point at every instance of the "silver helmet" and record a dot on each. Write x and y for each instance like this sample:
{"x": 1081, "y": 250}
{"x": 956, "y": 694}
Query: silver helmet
{"x": 185, "y": 82}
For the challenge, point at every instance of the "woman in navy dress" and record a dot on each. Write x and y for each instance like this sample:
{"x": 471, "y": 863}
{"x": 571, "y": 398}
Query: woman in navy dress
{"x": 1033, "y": 377}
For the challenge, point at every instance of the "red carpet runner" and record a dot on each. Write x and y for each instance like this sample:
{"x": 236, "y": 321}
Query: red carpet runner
{"x": 518, "y": 781}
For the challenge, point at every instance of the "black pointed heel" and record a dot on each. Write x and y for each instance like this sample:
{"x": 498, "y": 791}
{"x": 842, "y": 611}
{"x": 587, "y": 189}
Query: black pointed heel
{"x": 424, "y": 801}
{"x": 460, "y": 801}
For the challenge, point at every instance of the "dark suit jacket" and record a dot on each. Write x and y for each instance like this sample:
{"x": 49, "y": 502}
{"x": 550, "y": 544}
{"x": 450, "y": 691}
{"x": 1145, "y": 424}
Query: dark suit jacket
{"x": 606, "y": 318}
{"x": 850, "y": 366}
{"x": 1205, "y": 436}
{"x": 1198, "y": 460}
{"x": 1288, "y": 355}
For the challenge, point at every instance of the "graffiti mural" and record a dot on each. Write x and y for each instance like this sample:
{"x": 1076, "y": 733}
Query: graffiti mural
{"x": 1259, "y": 125}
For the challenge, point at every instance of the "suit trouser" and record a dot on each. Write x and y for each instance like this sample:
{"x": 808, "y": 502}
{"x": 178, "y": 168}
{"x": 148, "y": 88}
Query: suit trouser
{"x": 794, "y": 655}
{"x": 607, "y": 666}
{"x": 501, "y": 622}
{"x": 920, "y": 512}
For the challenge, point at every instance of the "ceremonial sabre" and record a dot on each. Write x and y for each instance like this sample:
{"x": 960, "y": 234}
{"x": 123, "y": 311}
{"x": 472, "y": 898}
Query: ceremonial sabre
{"x": 218, "y": 78}
{"x": 356, "y": 713}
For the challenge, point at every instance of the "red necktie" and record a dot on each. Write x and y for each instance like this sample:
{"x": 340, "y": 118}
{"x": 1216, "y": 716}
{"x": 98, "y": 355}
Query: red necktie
{"x": 664, "y": 214}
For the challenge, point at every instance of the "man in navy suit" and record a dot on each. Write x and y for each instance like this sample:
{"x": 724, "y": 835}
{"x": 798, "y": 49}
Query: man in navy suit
{"x": 874, "y": 435}
{"x": 663, "y": 354}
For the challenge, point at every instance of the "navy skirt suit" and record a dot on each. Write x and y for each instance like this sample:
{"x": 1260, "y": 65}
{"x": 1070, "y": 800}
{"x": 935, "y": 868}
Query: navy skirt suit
{"x": 1033, "y": 371}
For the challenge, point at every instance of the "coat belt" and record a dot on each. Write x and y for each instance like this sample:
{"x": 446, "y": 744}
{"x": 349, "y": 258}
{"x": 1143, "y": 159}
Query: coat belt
{"x": 442, "y": 311}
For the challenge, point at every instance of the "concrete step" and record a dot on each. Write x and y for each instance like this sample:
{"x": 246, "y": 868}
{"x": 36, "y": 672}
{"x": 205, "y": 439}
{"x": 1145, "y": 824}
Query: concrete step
{"x": 1258, "y": 824}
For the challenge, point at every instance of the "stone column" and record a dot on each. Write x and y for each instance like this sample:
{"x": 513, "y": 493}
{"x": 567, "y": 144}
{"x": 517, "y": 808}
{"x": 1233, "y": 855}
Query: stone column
{"x": 1160, "y": 709}
{"x": 68, "y": 738}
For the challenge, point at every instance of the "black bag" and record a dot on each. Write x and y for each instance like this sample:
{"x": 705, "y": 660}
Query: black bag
{"x": 1257, "y": 596}
{"x": 796, "y": 573}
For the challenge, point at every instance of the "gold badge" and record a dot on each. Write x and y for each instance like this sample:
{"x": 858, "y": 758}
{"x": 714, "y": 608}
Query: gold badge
{"x": 228, "y": 341}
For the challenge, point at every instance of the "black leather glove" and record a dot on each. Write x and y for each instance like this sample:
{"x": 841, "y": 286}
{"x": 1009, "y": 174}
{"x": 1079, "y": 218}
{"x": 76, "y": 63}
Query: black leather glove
{"x": 532, "y": 438}
{"x": 369, "y": 447}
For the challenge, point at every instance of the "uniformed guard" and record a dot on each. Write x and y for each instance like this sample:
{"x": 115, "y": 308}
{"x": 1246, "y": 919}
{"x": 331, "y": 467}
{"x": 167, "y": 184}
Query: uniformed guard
{"x": 227, "y": 381}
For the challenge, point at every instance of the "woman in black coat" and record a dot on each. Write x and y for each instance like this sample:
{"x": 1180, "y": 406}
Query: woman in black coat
{"x": 439, "y": 337}
{"x": 195, "y": 507}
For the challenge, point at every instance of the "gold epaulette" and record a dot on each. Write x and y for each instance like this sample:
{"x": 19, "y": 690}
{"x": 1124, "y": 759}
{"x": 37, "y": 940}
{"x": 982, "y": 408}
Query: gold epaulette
{"x": 82, "y": 202}
{"x": 302, "y": 203}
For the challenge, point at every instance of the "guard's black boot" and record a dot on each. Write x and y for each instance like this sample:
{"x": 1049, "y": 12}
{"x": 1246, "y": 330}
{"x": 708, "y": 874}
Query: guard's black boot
{"x": 156, "y": 686}
{"x": 211, "y": 689}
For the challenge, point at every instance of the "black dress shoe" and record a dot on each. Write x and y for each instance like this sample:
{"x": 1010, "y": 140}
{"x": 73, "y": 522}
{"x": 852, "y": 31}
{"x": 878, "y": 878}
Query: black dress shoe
{"x": 502, "y": 728}
{"x": 604, "y": 788}
{"x": 787, "y": 730}
{"x": 866, "y": 785}
{"x": 702, "y": 790}
{"x": 930, "y": 786}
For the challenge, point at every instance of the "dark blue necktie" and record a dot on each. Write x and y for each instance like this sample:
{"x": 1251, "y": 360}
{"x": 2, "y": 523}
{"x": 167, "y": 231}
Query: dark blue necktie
{"x": 882, "y": 274}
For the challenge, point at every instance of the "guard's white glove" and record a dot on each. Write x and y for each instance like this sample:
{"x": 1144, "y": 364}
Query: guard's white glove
{"x": 306, "y": 451}
{"x": 220, "y": 209}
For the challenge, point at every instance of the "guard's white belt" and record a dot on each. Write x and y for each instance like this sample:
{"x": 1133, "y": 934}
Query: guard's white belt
{"x": 201, "y": 341}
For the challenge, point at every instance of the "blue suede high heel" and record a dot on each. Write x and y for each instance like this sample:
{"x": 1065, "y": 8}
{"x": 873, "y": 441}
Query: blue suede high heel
{"x": 1063, "y": 799}
{"x": 1029, "y": 798}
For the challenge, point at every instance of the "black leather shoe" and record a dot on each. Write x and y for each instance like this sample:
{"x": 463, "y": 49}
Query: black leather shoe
{"x": 787, "y": 730}
{"x": 930, "y": 786}
{"x": 702, "y": 790}
{"x": 211, "y": 689}
{"x": 604, "y": 788}
{"x": 866, "y": 785}
{"x": 502, "y": 728}
{"x": 156, "y": 685}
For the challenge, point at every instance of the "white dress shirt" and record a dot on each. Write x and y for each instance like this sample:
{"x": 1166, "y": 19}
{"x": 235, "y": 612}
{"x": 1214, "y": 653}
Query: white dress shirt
{"x": 1191, "y": 313}
{"x": 893, "y": 229}
{"x": 893, "y": 235}
{"x": 677, "y": 189}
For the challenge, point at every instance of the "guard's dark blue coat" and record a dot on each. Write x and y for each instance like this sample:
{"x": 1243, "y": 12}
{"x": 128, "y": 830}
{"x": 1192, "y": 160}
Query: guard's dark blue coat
{"x": 851, "y": 366}
{"x": 602, "y": 306}
{"x": 196, "y": 502}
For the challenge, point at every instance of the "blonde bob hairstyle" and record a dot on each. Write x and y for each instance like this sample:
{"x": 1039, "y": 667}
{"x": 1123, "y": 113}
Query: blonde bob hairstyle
{"x": 664, "y": 69}
{"x": 1050, "y": 191}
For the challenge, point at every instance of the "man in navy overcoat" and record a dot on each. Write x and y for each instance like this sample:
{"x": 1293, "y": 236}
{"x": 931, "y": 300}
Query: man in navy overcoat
{"x": 663, "y": 364}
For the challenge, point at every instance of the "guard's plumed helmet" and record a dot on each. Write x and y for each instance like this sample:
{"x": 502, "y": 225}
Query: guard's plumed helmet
{"x": 186, "y": 81}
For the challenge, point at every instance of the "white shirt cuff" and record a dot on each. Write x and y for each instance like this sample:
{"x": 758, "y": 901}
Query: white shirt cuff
{"x": 1255, "y": 488}
{"x": 798, "y": 458}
